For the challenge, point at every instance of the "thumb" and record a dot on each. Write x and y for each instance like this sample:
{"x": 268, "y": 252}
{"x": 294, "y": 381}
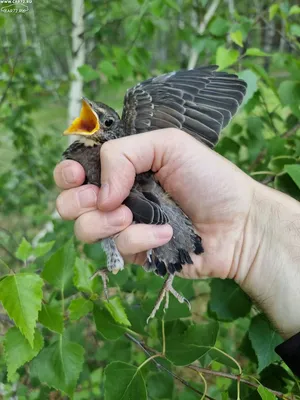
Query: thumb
{"x": 122, "y": 159}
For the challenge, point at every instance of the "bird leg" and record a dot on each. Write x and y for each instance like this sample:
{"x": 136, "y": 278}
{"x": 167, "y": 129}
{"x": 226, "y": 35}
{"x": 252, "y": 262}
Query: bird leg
{"x": 164, "y": 293}
{"x": 103, "y": 275}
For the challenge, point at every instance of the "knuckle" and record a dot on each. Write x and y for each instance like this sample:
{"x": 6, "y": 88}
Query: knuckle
{"x": 60, "y": 205}
{"x": 82, "y": 230}
{"x": 125, "y": 243}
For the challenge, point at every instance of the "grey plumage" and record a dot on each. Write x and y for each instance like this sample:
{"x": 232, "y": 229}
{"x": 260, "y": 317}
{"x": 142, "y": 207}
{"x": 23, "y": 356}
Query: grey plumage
{"x": 200, "y": 102}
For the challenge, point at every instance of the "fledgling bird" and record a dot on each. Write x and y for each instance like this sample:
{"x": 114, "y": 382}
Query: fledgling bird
{"x": 200, "y": 102}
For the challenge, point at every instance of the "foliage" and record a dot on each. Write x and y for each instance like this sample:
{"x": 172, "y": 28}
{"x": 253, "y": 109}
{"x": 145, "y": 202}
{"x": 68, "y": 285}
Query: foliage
{"x": 59, "y": 337}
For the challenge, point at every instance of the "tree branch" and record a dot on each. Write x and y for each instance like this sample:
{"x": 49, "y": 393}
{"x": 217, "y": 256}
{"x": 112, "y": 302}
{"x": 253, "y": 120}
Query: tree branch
{"x": 149, "y": 351}
{"x": 159, "y": 366}
{"x": 291, "y": 131}
{"x": 235, "y": 378}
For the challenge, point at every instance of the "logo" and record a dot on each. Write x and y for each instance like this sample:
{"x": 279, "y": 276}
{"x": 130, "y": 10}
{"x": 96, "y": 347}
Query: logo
{"x": 14, "y": 6}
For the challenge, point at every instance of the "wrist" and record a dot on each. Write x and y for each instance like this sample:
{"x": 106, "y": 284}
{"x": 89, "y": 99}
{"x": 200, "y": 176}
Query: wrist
{"x": 269, "y": 261}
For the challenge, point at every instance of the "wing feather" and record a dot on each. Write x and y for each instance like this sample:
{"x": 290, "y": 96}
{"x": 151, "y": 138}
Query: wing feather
{"x": 201, "y": 102}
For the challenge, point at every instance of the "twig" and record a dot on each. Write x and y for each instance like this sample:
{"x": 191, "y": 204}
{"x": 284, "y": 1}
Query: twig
{"x": 268, "y": 179}
{"x": 235, "y": 378}
{"x": 291, "y": 131}
{"x": 10, "y": 79}
{"x": 162, "y": 367}
{"x": 10, "y": 253}
{"x": 268, "y": 113}
{"x": 149, "y": 351}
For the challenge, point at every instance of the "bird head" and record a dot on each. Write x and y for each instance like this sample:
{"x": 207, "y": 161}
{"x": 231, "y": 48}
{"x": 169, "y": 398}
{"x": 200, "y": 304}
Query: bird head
{"x": 97, "y": 122}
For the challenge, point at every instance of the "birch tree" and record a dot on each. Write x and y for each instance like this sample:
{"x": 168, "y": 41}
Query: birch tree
{"x": 78, "y": 59}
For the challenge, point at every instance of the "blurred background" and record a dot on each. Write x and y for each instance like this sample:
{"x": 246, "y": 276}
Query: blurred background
{"x": 54, "y": 52}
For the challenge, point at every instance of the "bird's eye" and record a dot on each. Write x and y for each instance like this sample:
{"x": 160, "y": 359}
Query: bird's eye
{"x": 108, "y": 122}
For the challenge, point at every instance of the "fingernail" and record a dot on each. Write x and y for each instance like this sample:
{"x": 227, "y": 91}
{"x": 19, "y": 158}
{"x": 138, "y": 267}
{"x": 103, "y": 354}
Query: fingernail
{"x": 68, "y": 175}
{"x": 163, "y": 232}
{"x": 87, "y": 198}
{"x": 116, "y": 218}
{"x": 103, "y": 193}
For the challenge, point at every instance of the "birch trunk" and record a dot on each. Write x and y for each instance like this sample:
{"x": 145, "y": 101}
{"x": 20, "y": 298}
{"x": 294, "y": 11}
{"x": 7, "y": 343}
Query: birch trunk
{"x": 78, "y": 58}
{"x": 207, "y": 17}
{"x": 75, "y": 93}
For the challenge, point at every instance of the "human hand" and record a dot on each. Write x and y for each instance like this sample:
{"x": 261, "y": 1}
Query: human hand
{"x": 240, "y": 221}
{"x": 212, "y": 192}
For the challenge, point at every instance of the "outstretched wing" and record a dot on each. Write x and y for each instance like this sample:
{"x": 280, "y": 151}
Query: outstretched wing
{"x": 200, "y": 101}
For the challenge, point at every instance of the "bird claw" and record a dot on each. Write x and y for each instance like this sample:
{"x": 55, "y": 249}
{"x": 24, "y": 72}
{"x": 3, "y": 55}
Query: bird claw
{"x": 164, "y": 293}
{"x": 103, "y": 273}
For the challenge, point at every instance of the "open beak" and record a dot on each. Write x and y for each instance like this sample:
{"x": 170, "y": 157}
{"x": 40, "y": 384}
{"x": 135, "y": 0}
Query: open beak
{"x": 86, "y": 124}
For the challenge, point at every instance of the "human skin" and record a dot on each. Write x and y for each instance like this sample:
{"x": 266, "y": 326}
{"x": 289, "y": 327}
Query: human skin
{"x": 250, "y": 233}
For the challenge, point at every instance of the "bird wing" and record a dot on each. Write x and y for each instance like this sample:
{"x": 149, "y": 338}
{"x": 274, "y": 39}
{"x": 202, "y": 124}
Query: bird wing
{"x": 200, "y": 101}
{"x": 145, "y": 208}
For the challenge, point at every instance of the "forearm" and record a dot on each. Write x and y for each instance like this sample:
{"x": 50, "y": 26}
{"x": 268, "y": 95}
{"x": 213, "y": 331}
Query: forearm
{"x": 269, "y": 269}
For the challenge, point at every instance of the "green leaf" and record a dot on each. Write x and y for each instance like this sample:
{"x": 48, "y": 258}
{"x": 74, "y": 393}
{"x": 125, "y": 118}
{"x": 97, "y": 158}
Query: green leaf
{"x": 286, "y": 184}
{"x": 218, "y": 27}
{"x": 160, "y": 385}
{"x": 24, "y": 250}
{"x": 220, "y": 357}
{"x": 277, "y": 164}
{"x": 228, "y": 302}
{"x": 264, "y": 339}
{"x": 289, "y": 93}
{"x": 294, "y": 172}
{"x": 117, "y": 311}
{"x": 42, "y": 248}
{"x": 251, "y": 79}
{"x": 173, "y": 4}
{"x": 52, "y": 318}
{"x": 59, "y": 268}
{"x": 273, "y": 11}
{"x": 79, "y": 308}
{"x": 175, "y": 310}
{"x": 265, "y": 394}
{"x": 184, "y": 348}
{"x": 253, "y": 51}
{"x": 130, "y": 383}
{"x": 225, "y": 57}
{"x": 295, "y": 29}
{"x": 82, "y": 274}
{"x": 21, "y": 296}
{"x": 237, "y": 38}
{"x": 108, "y": 69}
{"x": 59, "y": 365}
{"x": 294, "y": 10}
{"x": 106, "y": 325}
{"x": 88, "y": 73}
{"x": 18, "y": 351}
{"x": 95, "y": 252}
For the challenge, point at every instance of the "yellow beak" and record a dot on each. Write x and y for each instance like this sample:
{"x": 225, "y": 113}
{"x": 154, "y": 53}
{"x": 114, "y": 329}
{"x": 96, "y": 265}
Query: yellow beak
{"x": 86, "y": 124}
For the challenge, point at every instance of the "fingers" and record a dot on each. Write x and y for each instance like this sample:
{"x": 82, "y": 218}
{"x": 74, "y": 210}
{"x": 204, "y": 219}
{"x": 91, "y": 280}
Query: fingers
{"x": 68, "y": 174}
{"x": 139, "y": 238}
{"x": 122, "y": 159}
{"x": 95, "y": 225}
{"x": 72, "y": 203}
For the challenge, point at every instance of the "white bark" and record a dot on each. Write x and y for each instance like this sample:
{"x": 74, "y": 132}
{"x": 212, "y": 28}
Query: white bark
{"x": 231, "y": 10}
{"x": 75, "y": 93}
{"x": 207, "y": 17}
{"x": 22, "y": 27}
{"x": 78, "y": 58}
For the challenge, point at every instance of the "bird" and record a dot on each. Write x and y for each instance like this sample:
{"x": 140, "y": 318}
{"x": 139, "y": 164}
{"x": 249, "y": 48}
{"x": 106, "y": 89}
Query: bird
{"x": 199, "y": 101}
